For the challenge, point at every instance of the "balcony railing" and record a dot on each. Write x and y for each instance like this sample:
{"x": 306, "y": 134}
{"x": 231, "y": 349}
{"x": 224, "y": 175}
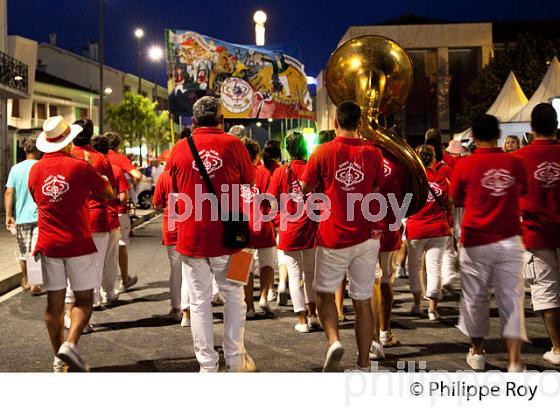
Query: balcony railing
{"x": 13, "y": 73}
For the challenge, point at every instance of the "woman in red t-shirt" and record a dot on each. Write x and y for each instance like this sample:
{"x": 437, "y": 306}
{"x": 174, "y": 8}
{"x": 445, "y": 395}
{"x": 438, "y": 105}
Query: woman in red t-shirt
{"x": 297, "y": 238}
{"x": 427, "y": 233}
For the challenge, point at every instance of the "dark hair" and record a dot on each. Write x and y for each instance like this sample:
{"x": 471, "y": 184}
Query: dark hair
{"x": 296, "y": 145}
{"x": 84, "y": 137}
{"x": 114, "y": 140}
{"x": 29, "y": 146}
{"x": 206, "y": 112}
{"x": 432, "y": 134}
{"x": 348, "y": 115}
{"x": 426, "y": 154}
{"x": 438, "y": 149}
{"x": 486, "y": 128}
{"x": 272, "y": 153}
{"x": 252, "y": 147}
{"x": 326, "y": 136}
{"x": 544, "y": 119}
{"x": 100, "y": 143}
{"x": 186, "y": 133}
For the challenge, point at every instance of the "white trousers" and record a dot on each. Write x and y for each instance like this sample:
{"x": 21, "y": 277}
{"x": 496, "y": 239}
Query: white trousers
{"x": 301, "y": 273}
{"x": 199, "y": 273}
{"x": 178, "y": 287}
{"x": 433, "y": 248}
{"x": 499, "y": 266}
{"x": 542, "y": 272}
{"x": 111, "y": 266}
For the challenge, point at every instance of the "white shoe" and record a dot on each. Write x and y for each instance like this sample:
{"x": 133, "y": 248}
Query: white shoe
{"x": 516, "y": 368}
{"x": 476, "y": 361}
{"x": 88, "y": 329}
{"x": 59, "y": 366}
{"x": 552, "y": 357}
{"x": 209, "y": 369}
{"x": 376, "y": 351}
{"x": 401, "y": 272}
{"x": 416, "y": 310}
{"x": 185, "y": 322}
{"x": 433, "y": 315}
{"x": 130, "y": 281}
{"x": 265, "y": 307}
{"x": 69, "y": 354}
{"x": 302, "y": 327}
{"x": 111, "y": 297}
{"x": 270, "y": 297}
{"x": 334, "y": 356}
{"x": 314, "y": 322}
{"x": 387, "y": 338}
{"x": 246, "y": 365}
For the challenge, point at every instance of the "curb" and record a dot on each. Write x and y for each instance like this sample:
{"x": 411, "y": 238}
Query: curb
{"x": 13, "y": 281}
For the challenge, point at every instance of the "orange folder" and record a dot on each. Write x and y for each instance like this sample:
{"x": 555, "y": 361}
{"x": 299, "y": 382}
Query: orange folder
{"x": 240, "y": 266}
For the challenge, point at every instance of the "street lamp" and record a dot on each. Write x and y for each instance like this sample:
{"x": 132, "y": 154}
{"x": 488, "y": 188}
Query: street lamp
{"x": 259, "y": 18}
{"x": 139, "y": 34}
{"x": 155, "y": 53}
{"x": 108, "y": 91}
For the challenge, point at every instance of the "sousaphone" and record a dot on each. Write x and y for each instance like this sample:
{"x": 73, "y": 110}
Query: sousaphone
{"x": 376, "y": 73}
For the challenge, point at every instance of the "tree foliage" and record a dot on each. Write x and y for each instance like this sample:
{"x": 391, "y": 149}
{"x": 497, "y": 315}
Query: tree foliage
{"x": 528, "y": 58}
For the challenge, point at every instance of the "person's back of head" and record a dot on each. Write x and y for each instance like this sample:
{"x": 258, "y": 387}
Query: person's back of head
{"x": 296, "y": 146}
{"x": 438, "y": 149}
{"x": 238, "y": 131}
{"x": 485, "y": 128}
{"x": 544, "y": 120}
{"x": 433, "y": 134}
{"x": 207, "y": 112}
{"x": 253, "y": 148}
{"x": 326, "y": 136}
{"x": 348, "y": 115}
{"x": 30, "y": 148}
{"x": 84, "y": 137}
{"x": 427, "y": 154}
{"x": 272, "y": 153}
{"x": 100, "y": 143}
{"x": 114, "y": 140}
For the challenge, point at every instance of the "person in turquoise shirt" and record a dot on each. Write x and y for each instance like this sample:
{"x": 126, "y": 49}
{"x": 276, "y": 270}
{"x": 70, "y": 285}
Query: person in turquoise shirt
{"x": 26, "y": 218}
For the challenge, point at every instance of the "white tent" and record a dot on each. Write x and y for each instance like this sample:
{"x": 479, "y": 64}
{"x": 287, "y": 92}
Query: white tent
{"x": 548, "y": 88}
{"x": 509, "y": 101}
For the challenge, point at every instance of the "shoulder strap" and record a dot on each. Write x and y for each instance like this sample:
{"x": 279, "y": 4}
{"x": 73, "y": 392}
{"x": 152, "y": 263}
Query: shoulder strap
{"x": 202, "y": 170}
{"x": 443, "y": 208}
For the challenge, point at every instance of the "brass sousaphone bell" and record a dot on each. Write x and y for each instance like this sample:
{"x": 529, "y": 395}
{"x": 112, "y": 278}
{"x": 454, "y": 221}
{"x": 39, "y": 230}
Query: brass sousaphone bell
{"x": 376, "y": 73}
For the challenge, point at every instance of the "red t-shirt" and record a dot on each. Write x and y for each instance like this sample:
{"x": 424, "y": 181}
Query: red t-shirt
{"x": 265, "y": 237}
{"x": 391, "y": 240}
{"x": 443, "y": 169}
{"x": 345, "y": 166}
{"x": 161, "y": 193}
{"x": 98, "y": 215}
{"x": 114, "y": 206}
{"x": 227, "y": 162}
{"x": 431, "y": 221}
{"x": 540, "y": 208}
{"x": 121, "y": 161}
{"x": 451, "y": 160}
{"x": 300, "y": 234}
{"x": 488, "y": 184}
{"x": 61, "y": 186}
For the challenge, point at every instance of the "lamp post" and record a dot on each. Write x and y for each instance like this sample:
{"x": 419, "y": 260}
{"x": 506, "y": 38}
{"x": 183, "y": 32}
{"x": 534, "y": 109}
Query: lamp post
{"x": 101, "y": 46}
{"x": 139, "y": 34}
{"x": 259, "y": 18}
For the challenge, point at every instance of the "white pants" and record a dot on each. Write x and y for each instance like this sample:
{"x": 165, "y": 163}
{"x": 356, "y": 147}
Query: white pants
{"x": 111, "y": 266}
{"x": 301, "y": 272}
{"x": 542, "y": 272}
{"x": 101, "y": 240}
{"x": 178, "y": 286}
{"x": 449, "y": 271}
{"x": 433, "y": 248}
{"x": 199, "y": 278}
{"x": 498, "y": 266}
{"x": 124, "y": 221}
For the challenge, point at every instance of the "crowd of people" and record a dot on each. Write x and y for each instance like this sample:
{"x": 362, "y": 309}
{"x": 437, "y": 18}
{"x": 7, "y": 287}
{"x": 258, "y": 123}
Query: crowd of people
{"x": 490, "y": 223}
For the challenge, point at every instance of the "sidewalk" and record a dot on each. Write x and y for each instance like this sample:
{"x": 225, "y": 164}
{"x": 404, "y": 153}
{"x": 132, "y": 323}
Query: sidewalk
{"x": 10, "y": 272}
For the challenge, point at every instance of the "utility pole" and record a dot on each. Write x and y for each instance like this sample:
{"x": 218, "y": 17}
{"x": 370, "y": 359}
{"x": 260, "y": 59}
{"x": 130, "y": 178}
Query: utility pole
{"x": 101, "y": 87}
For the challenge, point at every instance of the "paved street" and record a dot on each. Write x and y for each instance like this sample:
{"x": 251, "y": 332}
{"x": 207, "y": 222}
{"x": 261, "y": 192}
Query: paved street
{"x": 132, "y": 336}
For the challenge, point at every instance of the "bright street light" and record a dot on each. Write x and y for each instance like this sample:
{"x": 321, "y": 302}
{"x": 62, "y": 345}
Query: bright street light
{"x": 259, "y": 124}
{"x": 108, "y": 91}
{"x": 155, "y": 53}
{"x": 259, "y": 18}
{"x": 270, "y": 120}
{"x": 138, "y": 33}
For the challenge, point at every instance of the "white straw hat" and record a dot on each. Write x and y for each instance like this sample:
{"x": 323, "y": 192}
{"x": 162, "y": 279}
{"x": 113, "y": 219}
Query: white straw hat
{"x": 56, "y": 134}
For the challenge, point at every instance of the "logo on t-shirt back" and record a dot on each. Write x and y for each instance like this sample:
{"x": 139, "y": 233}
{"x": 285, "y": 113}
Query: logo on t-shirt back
{"x": 549, "y": 173}
{"x": 497, "y": 181}
{"x": 248, "y": 193}
{"x": 296, "y": 194}
{"x": 210, "y": 159}
{"x": 55, "y": 186}
{"x": 436, "y": 189}
{"x": 349, "y": 174}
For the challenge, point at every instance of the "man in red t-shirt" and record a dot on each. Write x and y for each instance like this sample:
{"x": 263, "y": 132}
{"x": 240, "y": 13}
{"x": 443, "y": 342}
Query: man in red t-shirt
{"x": 61, "y": 186}
{"x": 200, "y": 239}
{"x": 348, "y": 168}
{"x": 115, "y": 158}
{"x": 540, "y": 209}
{"x": 488, "y": 184}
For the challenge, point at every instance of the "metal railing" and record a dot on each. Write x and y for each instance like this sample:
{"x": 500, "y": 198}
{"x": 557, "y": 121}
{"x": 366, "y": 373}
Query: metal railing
{"x": 13, "y": 73}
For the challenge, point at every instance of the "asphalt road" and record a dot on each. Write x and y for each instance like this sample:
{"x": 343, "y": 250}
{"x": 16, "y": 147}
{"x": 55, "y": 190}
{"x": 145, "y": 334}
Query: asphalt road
{"x": 132, "y": 336}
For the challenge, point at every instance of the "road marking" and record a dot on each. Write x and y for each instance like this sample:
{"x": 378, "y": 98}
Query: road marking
{"x": 10, "y": 294}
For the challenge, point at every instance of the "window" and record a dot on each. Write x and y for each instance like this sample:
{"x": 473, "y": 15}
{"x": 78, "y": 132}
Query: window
{"x": 53, "y": 110}
{"x": 41, "y": 111}
{"x": 81, "y": 113}
{"x": 15, "y": 108}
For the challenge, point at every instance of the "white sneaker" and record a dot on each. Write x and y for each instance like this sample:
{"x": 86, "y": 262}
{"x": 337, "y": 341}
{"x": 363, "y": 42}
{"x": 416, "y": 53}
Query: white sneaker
{"x": 69, "y": 354}
{"x": 302, "y": 327}
{"x": 376, "y": 351}
{"x": 416, "y": 310}
{"x": 246, "y": 365}
{"x": 387, "y": 338}
{"x": 208, "y": 369}
{"x": 270, "y": 297}
{"x": 130, "y": 281}
{"x": 265, "y": 307}
{"x": 433, "y": 315}
{"x": 552, "y": 357}
{"x": 111, "y": 297}
{"x": 314, "y": 322}
{"x": 59, "y": 366}
{"x": 401, "y": 272}
{"x": 476, "y": 361}
{"x": 516, "y": 368}
{"x": 185, "y": 322}
{"x": 88, "y": 329}
{"x": 334, "y": 356}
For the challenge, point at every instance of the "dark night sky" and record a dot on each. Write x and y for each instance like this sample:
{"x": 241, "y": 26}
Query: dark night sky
{"x": 313, "y": 25}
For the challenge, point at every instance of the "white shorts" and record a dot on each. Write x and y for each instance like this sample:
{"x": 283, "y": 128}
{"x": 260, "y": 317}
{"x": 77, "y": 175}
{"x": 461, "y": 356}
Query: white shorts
{"x": 79, "y": 271}
{"x": 542, "y": 272}
{"x": 124, "y": 221}
{"x": 358, "y": 260}
{"x": 266, "y": 257}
